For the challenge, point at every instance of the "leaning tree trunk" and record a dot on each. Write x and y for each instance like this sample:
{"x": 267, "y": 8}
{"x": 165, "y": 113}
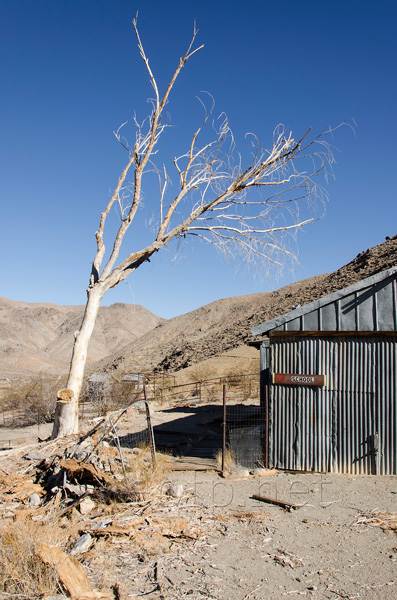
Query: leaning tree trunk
{"x": 66, "y": 418}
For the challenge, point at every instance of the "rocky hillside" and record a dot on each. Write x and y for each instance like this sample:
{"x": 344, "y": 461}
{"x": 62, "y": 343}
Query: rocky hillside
{"x": 226, "y": 324}
{"x": 39, "y": 337}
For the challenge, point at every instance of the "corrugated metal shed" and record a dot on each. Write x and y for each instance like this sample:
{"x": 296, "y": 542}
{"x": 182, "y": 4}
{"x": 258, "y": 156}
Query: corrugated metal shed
{"x": 348, "y": 425}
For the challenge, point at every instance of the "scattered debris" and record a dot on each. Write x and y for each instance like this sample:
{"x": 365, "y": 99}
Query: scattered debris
{"x": 385, "y": 520}
{"x": 285, "y": 561}
{"x": 287, "y": 505}
{"x": 97, "y": 499}
{"x": 71, "y": 573}
{"x": 140, "y": 533}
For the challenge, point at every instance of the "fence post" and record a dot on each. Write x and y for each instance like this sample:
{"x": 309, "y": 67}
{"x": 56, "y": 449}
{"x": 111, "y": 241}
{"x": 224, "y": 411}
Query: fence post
{"x": 224, "y": 429}
{"x": 264, "y": 394}
{"x": 150, "y": 428}
{"x": 116, "y": 436}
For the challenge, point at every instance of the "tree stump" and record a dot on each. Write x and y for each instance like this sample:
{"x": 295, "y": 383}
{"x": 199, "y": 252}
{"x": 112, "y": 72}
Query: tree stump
{"x": 64, "y": 419}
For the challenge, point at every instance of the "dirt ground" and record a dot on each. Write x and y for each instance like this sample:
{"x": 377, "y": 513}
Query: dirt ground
{"x": 333, "y": 546}
{"x": 325, "y": 549}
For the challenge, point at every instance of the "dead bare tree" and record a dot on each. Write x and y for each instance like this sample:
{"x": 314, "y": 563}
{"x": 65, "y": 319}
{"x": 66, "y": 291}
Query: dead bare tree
{"x": 214, "y": 203}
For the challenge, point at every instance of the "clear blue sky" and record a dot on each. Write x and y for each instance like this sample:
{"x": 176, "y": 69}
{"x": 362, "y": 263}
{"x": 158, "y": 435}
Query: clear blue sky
{"x": 71, "y": 74}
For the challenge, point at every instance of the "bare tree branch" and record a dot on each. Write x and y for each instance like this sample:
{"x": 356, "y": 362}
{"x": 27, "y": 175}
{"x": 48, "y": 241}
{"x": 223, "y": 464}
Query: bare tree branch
{"x": 241, "y": 207}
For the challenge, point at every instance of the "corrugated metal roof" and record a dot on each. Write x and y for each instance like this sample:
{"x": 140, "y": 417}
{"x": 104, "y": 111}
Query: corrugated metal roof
{"x": 368, "y": 305}
{"x": 100, "y": 378}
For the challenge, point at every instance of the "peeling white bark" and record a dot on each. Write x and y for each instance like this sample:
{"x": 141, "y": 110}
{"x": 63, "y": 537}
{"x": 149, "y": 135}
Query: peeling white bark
{"x": 66, "y": 419}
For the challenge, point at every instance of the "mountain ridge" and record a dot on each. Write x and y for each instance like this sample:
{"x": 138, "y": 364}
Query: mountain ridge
{"x": 38, "y": 337}
{"x": 226, "y": 323}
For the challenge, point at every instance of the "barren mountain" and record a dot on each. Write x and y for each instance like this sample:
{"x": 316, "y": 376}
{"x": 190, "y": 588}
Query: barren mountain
{"x": 128, "y": 338}
{"x": 39, "y": 337}
{"x": 226, "y": 324}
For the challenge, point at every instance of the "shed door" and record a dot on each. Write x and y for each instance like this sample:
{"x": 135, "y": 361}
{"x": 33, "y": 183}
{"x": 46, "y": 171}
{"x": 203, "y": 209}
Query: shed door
{"x": 332, "y": 428}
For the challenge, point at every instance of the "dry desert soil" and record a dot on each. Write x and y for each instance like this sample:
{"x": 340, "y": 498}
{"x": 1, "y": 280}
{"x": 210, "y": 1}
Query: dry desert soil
{"x": 339, "y": 542}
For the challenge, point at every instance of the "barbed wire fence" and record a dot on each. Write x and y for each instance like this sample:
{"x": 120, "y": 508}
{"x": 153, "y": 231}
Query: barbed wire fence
{"x": 241, "y": 386}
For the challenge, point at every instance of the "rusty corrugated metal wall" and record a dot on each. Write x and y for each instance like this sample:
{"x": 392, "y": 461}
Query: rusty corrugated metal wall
{"x": 348, "y": 426}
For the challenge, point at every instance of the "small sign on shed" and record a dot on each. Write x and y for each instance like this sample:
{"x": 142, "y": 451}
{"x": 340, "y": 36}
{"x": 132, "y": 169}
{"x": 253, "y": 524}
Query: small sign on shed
{"x": 296, "y": 379}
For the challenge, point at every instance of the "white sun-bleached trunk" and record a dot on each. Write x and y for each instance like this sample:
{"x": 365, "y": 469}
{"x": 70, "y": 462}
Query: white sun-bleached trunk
{"x": 211, "y": 203}
{"x": 66, "y": 418}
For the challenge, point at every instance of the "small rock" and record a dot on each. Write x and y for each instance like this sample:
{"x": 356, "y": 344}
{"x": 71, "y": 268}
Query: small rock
{"x": 78, "y": 490}
{"x": 258, "y": 471}
{"x": 34, "y": 500}
{"x": 174, "y": 490}
{"x": 86, "y": 506}
{"x": 241, "y": 473}
{"x": 82, "y": 544}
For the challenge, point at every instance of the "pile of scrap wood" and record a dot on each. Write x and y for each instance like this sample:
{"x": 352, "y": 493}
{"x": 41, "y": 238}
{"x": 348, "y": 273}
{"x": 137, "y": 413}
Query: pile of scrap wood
{"x": 83, "y": 486}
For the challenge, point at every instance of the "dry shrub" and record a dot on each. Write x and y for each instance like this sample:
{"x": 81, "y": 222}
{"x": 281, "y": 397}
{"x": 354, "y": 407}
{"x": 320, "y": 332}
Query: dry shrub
{"x": 230, "y": 463}
{"x": 112, "y": 395}
{"x": 32, "y": 401}
{"x": 243, "y": 380}
{"x": 22, "y": 572}
{"x": 144, "y": 479}
{"x": 199, "y": 373}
